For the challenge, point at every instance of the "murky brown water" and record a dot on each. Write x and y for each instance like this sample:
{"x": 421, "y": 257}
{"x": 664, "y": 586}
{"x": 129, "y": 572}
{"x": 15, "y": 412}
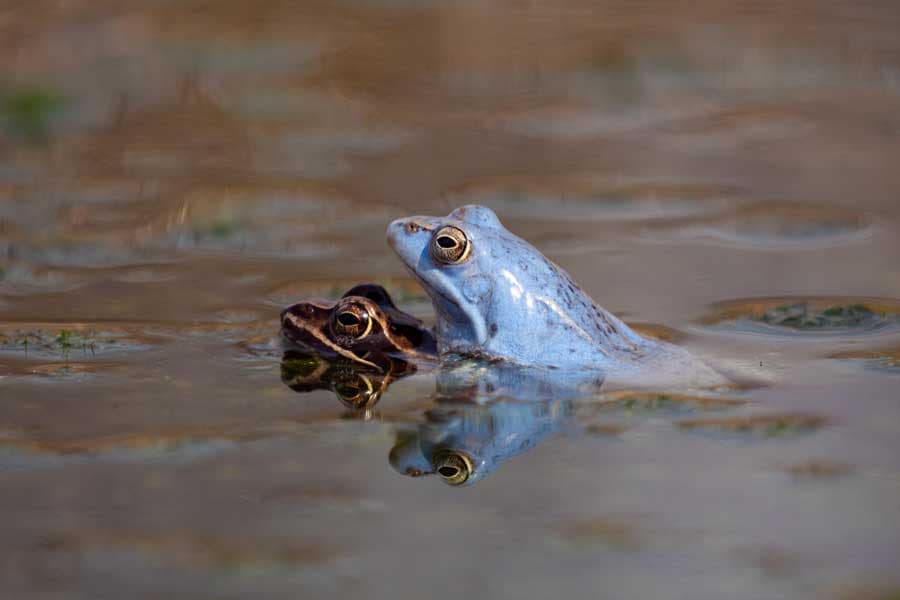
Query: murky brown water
{"x": 173, "y": 173}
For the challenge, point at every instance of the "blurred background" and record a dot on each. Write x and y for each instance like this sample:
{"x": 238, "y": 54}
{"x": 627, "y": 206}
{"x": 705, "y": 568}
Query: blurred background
{"x": 173, "y": 173}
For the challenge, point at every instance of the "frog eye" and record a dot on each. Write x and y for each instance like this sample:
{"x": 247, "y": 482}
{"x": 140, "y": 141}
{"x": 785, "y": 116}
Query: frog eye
{"x": 357, "y": 394}
{"x": 351, "y": 320}
{"x": 450, "y": 246}
{"x": 453, "y": 467}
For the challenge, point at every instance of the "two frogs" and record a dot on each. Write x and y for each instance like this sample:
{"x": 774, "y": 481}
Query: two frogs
{"x": 496, "y": 297}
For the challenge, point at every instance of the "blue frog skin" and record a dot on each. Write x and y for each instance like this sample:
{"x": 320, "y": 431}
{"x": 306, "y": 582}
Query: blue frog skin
{"x": 497, "y": 297}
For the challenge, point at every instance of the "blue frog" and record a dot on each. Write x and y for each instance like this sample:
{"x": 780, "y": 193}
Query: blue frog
{"x": 497, "y": 297}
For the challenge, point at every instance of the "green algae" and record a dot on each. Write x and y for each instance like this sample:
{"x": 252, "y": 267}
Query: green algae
{"x": 810, "y": 315}
{"x": 640, "y": 403}
{"x": 27, "y": 113}
{"x": 760, "y": 426}
{"x": 62, "y": 342}
{"x": 803, "y": 316}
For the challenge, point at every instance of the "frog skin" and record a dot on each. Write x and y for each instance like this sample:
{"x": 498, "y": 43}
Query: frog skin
{"x": 497, "y": 297}
{"x": 361, "y": 327}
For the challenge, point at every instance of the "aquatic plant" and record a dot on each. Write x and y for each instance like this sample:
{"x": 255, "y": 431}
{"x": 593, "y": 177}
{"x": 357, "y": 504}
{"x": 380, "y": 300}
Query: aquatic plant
{"x": 804, "y": 316}
{"x": 62, "y": 342}
{"x": 812, "y": 315}
{"x": 760, "y": 426}
{"x": 635, "y": 403}
{"x": 881, "y": 360}
{"x": 27, "y": 113}
{"x": 223, "y": 228}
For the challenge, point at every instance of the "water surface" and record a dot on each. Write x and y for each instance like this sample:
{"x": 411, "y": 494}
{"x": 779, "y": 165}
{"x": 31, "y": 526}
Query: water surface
{"x": 173, "y": 173}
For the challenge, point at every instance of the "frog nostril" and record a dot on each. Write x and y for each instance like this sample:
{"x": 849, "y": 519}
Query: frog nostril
{"x": 410, "y": 227}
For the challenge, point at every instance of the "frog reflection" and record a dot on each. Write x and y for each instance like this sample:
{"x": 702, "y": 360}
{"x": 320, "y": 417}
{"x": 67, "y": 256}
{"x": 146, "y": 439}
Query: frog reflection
{"x": 485, "y": 413}
{"x": 358, "y": 387}
{"x": 484, "y": 416}
{"x": 463, "y": 443}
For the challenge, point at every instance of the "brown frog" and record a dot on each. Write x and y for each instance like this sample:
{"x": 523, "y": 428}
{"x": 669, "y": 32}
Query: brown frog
{"x": 363, "y": 327}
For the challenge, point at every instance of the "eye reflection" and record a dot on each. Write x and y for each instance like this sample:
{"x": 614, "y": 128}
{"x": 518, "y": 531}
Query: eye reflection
{"x": 453, "y": 467}
{"x": 356, "y": 386}
{"x": 357, "y": 394}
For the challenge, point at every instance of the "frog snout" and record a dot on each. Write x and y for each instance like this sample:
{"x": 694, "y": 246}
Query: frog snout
{"x": 394, "y": 230}
{"x": 402, "y": 228}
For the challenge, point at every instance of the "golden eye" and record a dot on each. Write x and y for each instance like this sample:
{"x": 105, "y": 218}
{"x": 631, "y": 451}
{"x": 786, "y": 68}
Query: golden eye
{"x": 351, "y": 320}
{"x": 356, "y": 394}
{"x": 454, "y": 468}
{"x": 450, "y": 246}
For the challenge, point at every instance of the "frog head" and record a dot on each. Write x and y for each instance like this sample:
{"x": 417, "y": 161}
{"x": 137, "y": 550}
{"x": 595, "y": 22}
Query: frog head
{"x": 361, "y": 326}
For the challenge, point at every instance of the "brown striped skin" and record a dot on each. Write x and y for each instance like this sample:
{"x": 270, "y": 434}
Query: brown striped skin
{"x": 363, "y": 325}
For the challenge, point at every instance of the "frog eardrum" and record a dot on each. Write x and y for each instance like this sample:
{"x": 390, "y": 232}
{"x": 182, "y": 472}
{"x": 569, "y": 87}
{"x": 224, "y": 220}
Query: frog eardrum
{"x": 450, "y": 246}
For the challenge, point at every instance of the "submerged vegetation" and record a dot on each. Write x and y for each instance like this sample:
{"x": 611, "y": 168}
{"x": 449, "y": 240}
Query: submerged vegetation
{"x": 27, "y": 113}
{"x": 881, "y": 360}
{"x": 762, "y": 426}
{"x": 221, "y": 229}
{"x": 634, "y": 403}
{"x": 61, "y": 343}
{"x": 804, "y": 316}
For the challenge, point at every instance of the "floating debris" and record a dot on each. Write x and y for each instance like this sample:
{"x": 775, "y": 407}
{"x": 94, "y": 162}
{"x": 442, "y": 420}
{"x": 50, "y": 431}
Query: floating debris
{"x": 816, "y": 469}
{"x": 64, "y": 342}
{"x": 877, "y": 360}
{"x": 761, "y": 426}
{"x": 633, "y": 403}
{"x": 805, "y": 315}
{"x": 802, "y": 316}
